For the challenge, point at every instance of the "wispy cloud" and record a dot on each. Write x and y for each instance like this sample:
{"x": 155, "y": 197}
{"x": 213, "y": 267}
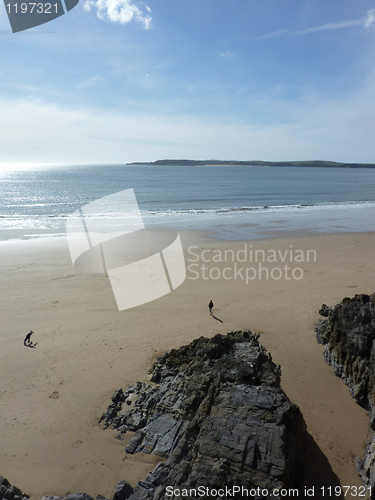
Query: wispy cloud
{"x": 90, "y": 82}
{"x": 334, "y": 26}
{"x": 274, "y": 34}
{"x": 227, "y": 53}
{"x": 120, "y": 11}
{"x": 367, "y": 22}
{"x": 341, "y": 130}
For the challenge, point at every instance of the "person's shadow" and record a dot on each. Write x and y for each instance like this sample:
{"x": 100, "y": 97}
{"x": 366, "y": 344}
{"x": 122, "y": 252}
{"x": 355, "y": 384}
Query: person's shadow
{"x": 217, "y": 319}
{"x": 33, "y": 346}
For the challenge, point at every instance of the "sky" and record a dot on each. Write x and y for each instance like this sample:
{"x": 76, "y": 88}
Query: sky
{"x": 117, "y": 81}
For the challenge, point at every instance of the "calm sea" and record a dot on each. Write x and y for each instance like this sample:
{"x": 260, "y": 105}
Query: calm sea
{"x": 231, "y": 201}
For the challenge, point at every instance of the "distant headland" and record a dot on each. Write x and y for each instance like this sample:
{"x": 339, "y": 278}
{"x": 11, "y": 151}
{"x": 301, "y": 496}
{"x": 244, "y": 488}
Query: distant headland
{"x": 254, "y": 163}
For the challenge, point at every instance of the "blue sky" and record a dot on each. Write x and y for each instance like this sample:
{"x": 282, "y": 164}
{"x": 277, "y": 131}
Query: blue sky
{"x": 121, "y": 80}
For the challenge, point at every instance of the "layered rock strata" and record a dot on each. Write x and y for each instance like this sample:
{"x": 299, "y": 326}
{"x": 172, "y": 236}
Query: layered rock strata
{"x": 348, "y": 333}
{"x": 217, "y": 415}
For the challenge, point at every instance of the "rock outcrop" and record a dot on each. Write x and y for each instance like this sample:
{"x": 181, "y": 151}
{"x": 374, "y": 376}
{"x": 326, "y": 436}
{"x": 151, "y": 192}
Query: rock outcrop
{"x": 9, "y": 492}
{"x": 217, "y": 415}
{"x": 348, "y": 332}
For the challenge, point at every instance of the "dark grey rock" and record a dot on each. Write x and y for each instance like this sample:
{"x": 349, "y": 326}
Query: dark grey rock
{"x": 118, "y": 396}
{"x": 218, "y": 417}
{"x": 135, "y": 441}
{"x": 116, "y": 423}
{"x": 135, "y": 420}
{"x": 111, "y": 416}
{"x": 349, "y": 336}
{"x": 322, "y": 330}
{"x": 216, "y": 414}
{"x": 142, "y": 491}
{"x": 9, "y": 492}
{"x": 325, "y": 310}
{"x": 123, "y": 491}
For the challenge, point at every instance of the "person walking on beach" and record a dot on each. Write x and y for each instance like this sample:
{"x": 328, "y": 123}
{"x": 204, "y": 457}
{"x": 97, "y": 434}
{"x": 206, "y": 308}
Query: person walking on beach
{"x": 27, "y": 340}
{"x": 210, "y": 307}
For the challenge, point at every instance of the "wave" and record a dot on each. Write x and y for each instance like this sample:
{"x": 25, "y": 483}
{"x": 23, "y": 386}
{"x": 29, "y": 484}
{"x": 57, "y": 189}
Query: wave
{"x": 263, "y": 208}
{"x": 53, "y": 220}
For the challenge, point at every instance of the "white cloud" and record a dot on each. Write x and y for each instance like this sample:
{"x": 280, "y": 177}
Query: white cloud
{"x": 368, "y": 22}
{"x": 341, "y": 131}
{"x": 274, "y": 34}
{"x": 90, "y": 82}
{"x": 119, "y": 11}
{"x": 227, "y": 53}
{"x": 331, "y": 26}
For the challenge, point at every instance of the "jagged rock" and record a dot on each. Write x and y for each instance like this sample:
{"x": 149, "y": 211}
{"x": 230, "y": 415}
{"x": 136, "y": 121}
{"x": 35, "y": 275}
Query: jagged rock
{"x": 322, "y": 330}
{"x": 118, "y": 396}
{"x": 123, "y": 491}
{"x": 135, "y": 442}
{"x": 73, "y": 496}
{"x": 215, "y": 412}
{"x": 218, "y": 417}
{"x": 325, "y": 310}
{"x": 121, "y": 421}
{"x": 349, "y": 333}
{"x": 9, "y": 492}
{"x": 349, "y": 336}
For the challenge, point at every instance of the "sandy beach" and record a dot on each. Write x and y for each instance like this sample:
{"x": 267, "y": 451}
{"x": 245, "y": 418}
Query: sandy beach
{"x": 52, "y": 396}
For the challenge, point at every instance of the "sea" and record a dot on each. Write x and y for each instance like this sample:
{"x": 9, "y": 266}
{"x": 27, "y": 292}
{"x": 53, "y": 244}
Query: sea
{"x": 230, "y": 202}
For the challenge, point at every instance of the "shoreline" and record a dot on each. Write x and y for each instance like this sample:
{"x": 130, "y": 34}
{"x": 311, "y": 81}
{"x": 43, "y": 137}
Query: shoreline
{"x": 237, "y": 224}
{"x": 53, "y": 395}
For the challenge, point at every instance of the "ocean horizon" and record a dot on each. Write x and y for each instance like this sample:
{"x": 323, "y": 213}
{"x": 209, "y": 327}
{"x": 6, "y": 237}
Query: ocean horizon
{"x": 231, "y": 202}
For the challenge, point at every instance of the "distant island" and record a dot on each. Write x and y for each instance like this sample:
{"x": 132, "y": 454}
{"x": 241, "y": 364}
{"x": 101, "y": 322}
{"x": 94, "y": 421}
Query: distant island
{"x": 254, "y": 163}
